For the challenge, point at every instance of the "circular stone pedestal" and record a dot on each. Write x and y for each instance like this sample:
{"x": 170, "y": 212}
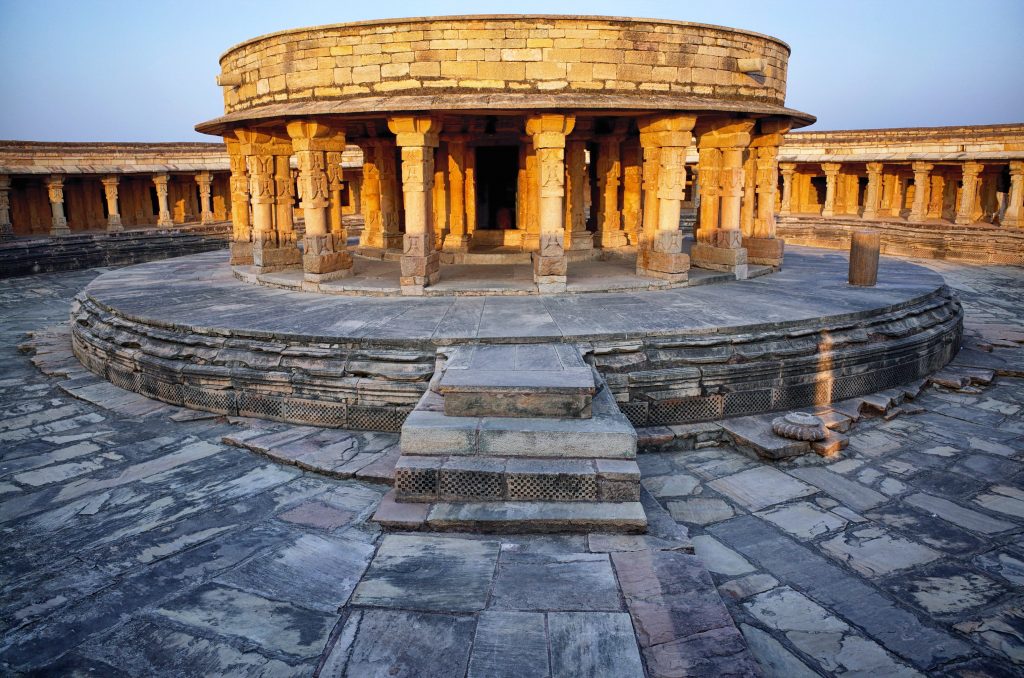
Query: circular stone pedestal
{"x": 187, "y": 332}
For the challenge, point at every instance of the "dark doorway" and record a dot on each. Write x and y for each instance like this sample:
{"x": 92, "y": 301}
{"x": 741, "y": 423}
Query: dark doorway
{"x": 497, "y": 178}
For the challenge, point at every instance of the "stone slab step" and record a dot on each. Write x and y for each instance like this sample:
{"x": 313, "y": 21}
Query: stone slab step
{"x": 530, "y": 380}
{"x": 512, "y": 517}
{"x": 500, "y": 479}
{"x": 606, "y": 434}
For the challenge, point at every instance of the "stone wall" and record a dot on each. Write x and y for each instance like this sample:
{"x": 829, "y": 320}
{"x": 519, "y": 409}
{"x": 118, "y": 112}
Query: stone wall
{"x": 504, "y": 54}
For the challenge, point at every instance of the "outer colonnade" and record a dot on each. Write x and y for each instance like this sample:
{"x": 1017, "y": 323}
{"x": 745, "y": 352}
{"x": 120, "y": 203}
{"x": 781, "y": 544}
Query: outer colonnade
{"x": 438, "y": 182}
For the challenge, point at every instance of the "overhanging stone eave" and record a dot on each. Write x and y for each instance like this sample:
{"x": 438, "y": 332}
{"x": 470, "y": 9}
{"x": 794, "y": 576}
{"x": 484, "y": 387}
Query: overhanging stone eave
{"x": 502, "y": 101}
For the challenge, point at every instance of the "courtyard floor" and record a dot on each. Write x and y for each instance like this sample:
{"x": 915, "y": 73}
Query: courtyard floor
{"x": 137, "y": 542}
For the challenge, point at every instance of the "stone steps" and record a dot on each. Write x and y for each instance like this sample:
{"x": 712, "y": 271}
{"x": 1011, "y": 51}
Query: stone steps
{"x": 516, "y": 438}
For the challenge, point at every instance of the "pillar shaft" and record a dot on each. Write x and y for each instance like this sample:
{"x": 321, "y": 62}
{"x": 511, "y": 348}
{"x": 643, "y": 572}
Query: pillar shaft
{"x": 919, "y": 211}
{"x": 262, "y": 192}
{"x": 576, "y": 188}
{"x": 336, "y": 185}
{"x": 969, "y": 193}
{"x": 831, "y": 170}
{"x": 1014, "y": 215}
{"x": 632, "y": 189}
{"x": 284, "y": 199}
{"x": 164, "y": 214}
{"x": 873, "y": 194}
{"x": 936, "y": 194}
{"x": 370, "y": 198}
{"x": 548, "y": 132}
{"x": 747, "y": 208}
{"x": 417, "y": 138}
{"x": 787, "y": 169}
{"x": 470, "y": 179}
{"x": 113, "y": 211}
{"x": 387, "y": 158}
{"x": 205, "y": 182}
{"x": 6, "y": 229}
{"x": 457, "y": 239}
{"x": 609, "y": 174}
{"x": 241, "y": 225}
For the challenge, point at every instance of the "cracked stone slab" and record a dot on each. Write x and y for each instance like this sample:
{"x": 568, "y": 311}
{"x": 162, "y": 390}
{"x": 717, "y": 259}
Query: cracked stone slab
{"x": 760, "y": 487}
{"x": 593, "y": 644}
{"x": 875, "y": 552}
{"x": 538, "y": 582}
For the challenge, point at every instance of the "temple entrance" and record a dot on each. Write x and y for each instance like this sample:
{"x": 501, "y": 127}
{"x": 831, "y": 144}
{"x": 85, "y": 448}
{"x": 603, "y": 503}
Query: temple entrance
{"x": 497, "y": 169}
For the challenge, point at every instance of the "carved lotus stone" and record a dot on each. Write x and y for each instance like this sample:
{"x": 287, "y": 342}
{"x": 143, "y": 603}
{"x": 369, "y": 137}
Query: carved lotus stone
{"x": 799, "y": 426}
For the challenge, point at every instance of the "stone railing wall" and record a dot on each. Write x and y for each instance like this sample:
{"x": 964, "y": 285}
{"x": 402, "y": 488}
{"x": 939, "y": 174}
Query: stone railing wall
{"x": 511, "y": 54}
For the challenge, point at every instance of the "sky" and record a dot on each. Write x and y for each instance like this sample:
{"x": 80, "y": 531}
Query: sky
{"x": 143, "y": 70}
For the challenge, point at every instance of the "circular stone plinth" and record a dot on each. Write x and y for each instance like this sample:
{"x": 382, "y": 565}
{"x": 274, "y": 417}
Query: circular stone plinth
{"x": 187, "y": 332}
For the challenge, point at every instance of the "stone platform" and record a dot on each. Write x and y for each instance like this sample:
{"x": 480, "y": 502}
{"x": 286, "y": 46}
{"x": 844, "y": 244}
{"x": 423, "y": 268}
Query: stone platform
{"x": 185, "y": 331}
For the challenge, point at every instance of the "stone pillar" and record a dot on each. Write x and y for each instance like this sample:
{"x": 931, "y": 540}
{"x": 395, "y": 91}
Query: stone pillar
{"x": 113, "y": 211}
{"x": 470, "y": 180}
{"x": 919, "y": 212}
{"x": 269, "y": 253}
{"x": 335, "y": 184}
{"x": 989, "y": 195}
{"x": 898, "y": 196}
{"x": 763, "y": 180}
{"x": 831, "y": 170}
{"x": 164, "y": 217}
{"x": 719, "y": 243}
{"x": 548, "y": 132}
{"x": 872, "y": 195}
{"x": 324, "y": 257}
{"x": 391, "y": 231}
{"x": 660, "y": 255}
{"x": 205, "y": 181}
{"x": 936, "y": 194}
{"x": 530, "y": 198}
{"x": 632, "y": 189}
{"x": 457, "y": 240}
{"x": 285, "y": 202}
{"x": 969, "y": 193}
{"x": 55, "y": 189}
{"x": 1014, "y": 215}
{"x": 241, "y": 226}
{"x": 576, "y": 188}
{"x": 439, "y": 198}
{"x": 609, "y": 178}
{"x": 417, "y": 137}
{"x": 370, "y": 197}
{"x": 787, "y": 169}
{"x": 6, "y": 229}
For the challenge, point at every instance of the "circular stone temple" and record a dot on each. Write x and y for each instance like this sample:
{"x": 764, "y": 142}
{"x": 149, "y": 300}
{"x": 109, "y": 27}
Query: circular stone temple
{"x": 546, "y": 138}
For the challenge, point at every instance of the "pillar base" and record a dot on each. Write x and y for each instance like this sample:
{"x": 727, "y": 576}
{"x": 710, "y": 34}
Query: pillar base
{"x": 765, "y": 251}
{"x": 114, "y": 223}
{"x": 729, "y": 259}
{"x": 549, "y": 273}
{"x": 456, "y": 243}
{"x": 268, "y": 258}
{"x": 241, "y": 254}
{"x": 60, "y": 230}
{"x": 322, "y": 262}
{"x": 670, "y": 266}
{"x": 613, "y": 239}
{"x": 165, "y": 221}
{"x": 580, "y": 240}
{"x": 6, "y": 232}
{"x": 207, "y": 218}
{"x": 419, "y": 272}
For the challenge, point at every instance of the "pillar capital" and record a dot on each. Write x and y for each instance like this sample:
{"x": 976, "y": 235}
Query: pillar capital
{"x": 831, "y": 169}
{"x": 973, "y": 168}
{"x": 109, "y": 181}
{"x": 1016, "y": 168}
{"x": 667, "y": 130}
{"x": 723, "y": 132}
{"x": 160, "y": 180}
{"x": 874, "y": 167}
{"x": 203, "y": 179}
{"x": 310, "y": 135}
{"x": 787, "y": 168}
{"x": 549, "y": 130}
{"x": 415, "y": 130}
{"x": 922, "y": 167}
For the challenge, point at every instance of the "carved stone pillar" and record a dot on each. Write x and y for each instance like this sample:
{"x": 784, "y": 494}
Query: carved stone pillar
{"x": 936, "y": 195}
{"x": 965, "y": 213}
{"x": 387, "y": 159}
{"x": 269, "y": 253}
{"x": 760, "y": 242}
{"x": 660, "y": 255}
{"x": 719, "y": 244}
{"x": 649, "y": 185}
{"x": 1014, "y": 215}
{"x": 787, "y": 169}
{"x": 470, "y": 192}
{"x": 370, "y": 198}
{"x": 899, "y": 188}
{"x": 576, "y": 188}
{"x": 872, "y": 194}
{"x": 919, "y": 211}
{"x": 530, "y": 197}
{"x": 285, "y": 203}
{"x": 335, "y": 185}
{"x": 55, "y": 190}
{"x": 831, "y": 170}
{"x": 632, "y": 189}
{"x": 457, "y": 239}
{"x": 439, "y": 198}
{"x": 6, "y": 229}
{"x": 113, "y": 212}
{"x": 548, "y": 132}
{"x": 164, "y": 216}
{"x": 241, "y": 226}
{"x": 989, "y": 195}
{"x": 324, "y": 257}
{"x": 417, "y": 137}
{"x": 747, "y": 207}
{"x": 609, "y": 178}
{"x": 205, "y": 182}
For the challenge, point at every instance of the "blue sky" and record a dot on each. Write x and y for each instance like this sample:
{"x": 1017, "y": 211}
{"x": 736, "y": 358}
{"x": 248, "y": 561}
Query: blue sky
{"x": 142, "y": 70}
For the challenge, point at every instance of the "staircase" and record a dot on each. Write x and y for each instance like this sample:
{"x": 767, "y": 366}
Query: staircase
{"x": 516, "y": 438}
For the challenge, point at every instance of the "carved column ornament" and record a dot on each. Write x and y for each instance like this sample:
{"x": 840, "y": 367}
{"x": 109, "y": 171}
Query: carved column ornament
{"x": 205, "y": 182}
{"x": 919, "y": 211}
{"x": 161, "y": 181}
{"x": 969, "y": 193}
{"x": 113, "y": 212}
{"x": 241, "y": 224}
{"x": 55, "y": 191}
{"x": 548, "y": 132}
{"x": 873, "y": 193}
{"x": 1014, "y": 215}
{"x": 831, "y": 170}
{"x": 787, "y": 169}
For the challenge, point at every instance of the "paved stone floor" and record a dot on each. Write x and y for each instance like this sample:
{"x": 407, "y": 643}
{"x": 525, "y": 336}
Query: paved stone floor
{"x": 137, "y": 543}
